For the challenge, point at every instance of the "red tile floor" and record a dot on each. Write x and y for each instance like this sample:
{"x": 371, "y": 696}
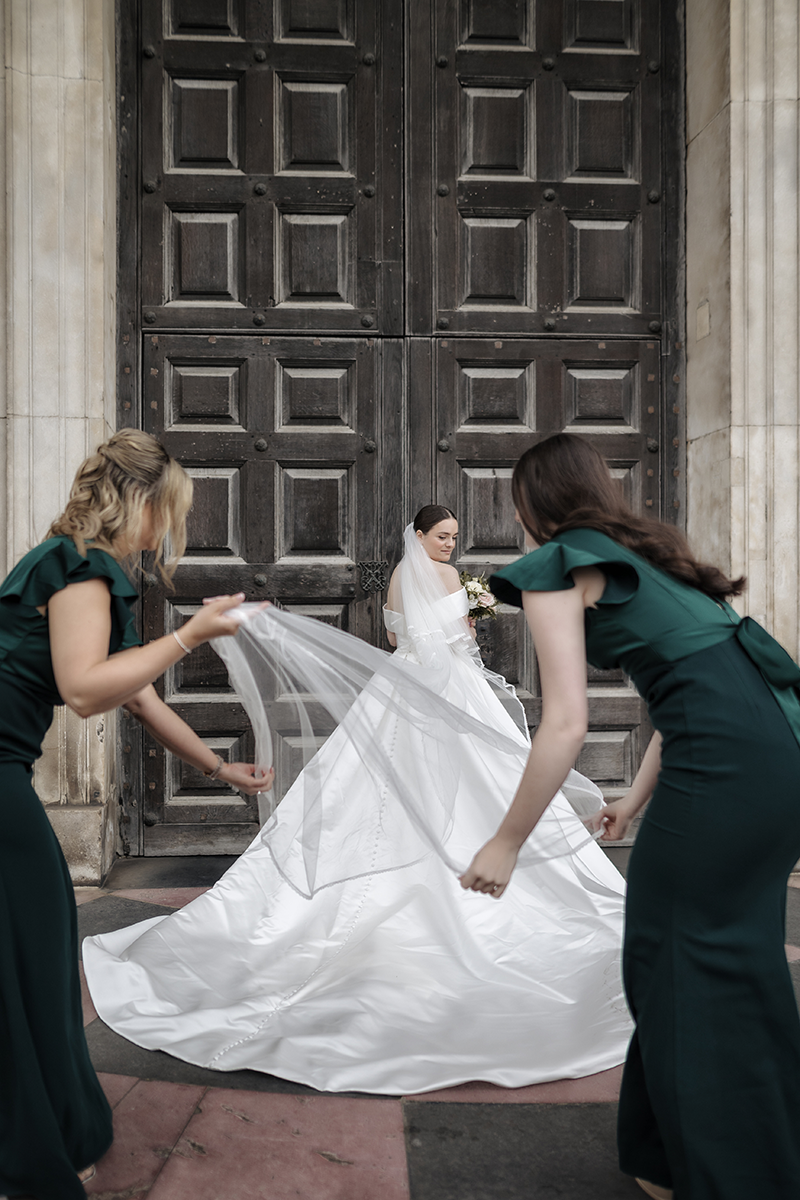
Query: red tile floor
{"x": 176, "y": 1141}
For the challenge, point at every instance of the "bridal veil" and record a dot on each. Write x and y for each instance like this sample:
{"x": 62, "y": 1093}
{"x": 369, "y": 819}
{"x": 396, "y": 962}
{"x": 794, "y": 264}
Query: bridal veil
{"x": 310, "y": 682}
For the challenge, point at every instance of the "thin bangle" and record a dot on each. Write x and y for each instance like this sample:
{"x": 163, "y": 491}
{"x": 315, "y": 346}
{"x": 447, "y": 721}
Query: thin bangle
{"x": 186, "y": 649}
{"x": 214, "y": 771}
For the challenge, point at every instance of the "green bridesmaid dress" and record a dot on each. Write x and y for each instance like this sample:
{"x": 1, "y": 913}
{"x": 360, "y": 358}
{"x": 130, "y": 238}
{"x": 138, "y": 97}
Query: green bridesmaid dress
{"x": 54, "y": 1118}
{"x": 710, "y": 1099}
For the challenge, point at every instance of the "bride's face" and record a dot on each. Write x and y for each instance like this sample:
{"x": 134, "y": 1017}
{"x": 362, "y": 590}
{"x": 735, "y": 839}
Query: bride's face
{"x": 440, "y": 541}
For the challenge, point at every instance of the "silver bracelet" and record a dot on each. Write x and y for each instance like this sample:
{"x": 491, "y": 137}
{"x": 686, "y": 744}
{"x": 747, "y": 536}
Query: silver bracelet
{"x": 214, "y": 771}
{"x": 186, "y": 649}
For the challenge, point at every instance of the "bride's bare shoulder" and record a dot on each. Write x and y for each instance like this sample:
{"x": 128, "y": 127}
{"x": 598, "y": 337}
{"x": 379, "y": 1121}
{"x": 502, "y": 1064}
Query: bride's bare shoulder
{"x": 393, "y": 598}
{"x": 449, "y": 576}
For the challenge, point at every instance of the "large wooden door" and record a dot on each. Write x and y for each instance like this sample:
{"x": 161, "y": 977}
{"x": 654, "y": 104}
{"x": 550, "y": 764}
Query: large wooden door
{"x": 383, "y": 248}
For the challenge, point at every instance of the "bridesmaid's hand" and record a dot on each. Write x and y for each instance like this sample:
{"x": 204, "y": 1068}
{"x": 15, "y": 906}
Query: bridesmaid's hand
{"x": 490, "y": 869}
{"x": 614, "y": 820}
{"x": 214, "y": 620}
{"x": 242, "y": 776}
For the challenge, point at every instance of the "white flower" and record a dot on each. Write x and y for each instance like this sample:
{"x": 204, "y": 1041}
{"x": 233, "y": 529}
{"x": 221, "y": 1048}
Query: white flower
{"x": 473, "y": 601}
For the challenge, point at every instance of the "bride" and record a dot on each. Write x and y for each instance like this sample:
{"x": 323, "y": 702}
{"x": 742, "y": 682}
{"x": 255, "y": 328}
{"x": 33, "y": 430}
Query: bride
{"x": 353, "y": 962}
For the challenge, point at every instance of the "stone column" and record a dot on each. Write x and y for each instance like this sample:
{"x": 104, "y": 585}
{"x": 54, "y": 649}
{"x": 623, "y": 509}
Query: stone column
{"x": 743, "y": 327}
{"x": 58, "y": 274}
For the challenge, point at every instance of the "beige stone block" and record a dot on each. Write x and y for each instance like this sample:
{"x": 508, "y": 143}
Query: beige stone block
{"x": 100, "y": 322}
{"x": 759, "y": 498}
{"x": 16, "y": 14}
{"x": 737, "y": 68}
{"x": 708, "y": 278}
{"x": 47, "y": 445}
{"x": 786, "y": 44}
{"x": 100, "y": 17}
{"x": 72, "y": 48}
{"x": 738, "y": 555}
{"x": 76, "y": 447}
{"x": 758, "y": 590}
{"x": 45, "y": 37}
{"x": 86, "y": 834}
{"x": 98, "y": 430}
{"x": 72, "y": 768}
{"x": 785, "y": 263}
{"x": 75, "y": 277}
{"x": 738, "y": 274}
{"x": 19, "y": 283}
{"x": 708, "y": 497}
{"x": 786, "y": 535}
{"x": 43, "y": 250}
{"x": 707, "y": 62}
{"x": 19, "y": 532}
{"x": 755, "y": 250}
{"x": 702, "y": 325}
{"x": 755, "y": 69}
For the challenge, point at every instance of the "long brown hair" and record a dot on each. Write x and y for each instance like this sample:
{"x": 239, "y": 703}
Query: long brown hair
{"x": 111, "y": 489}
{"x": 564, "y": 483}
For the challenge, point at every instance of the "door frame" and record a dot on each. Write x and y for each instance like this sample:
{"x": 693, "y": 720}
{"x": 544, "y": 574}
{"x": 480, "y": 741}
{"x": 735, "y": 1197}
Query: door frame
{"x": 417, "y": 351}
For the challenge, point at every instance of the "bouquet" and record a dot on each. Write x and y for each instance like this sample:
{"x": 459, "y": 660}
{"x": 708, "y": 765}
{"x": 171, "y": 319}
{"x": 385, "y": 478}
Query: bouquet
{"x": 482, "y": 602}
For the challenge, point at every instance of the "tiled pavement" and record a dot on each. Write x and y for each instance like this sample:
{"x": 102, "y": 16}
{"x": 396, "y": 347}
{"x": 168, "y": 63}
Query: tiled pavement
{"x": 187, "y": 1133}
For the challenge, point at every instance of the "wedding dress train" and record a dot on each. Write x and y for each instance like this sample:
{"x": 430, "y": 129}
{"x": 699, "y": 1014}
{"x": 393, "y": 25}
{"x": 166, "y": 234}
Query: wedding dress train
{"x": 395, "y": 981}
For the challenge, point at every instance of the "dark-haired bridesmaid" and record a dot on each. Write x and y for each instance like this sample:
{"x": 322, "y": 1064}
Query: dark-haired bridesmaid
{"x": 710, "y": 1100}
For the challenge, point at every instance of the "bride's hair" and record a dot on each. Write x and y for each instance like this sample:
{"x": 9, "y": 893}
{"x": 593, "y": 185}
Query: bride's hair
{"x": 564, "y": 483}
{"x": 108, "y": 497}
{"x": 431, "y": 515}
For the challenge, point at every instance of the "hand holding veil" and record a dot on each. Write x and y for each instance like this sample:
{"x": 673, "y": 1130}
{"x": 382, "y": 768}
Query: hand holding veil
{"x": 383, "y": 790}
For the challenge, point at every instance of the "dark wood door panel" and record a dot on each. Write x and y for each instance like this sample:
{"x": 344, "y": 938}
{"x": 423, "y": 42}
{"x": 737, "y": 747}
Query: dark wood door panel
{"x": 271, "y": 168}
{"x": 544, "y": 184}
{"x": 292, "y": 444}
{"x": 495, "y": 398}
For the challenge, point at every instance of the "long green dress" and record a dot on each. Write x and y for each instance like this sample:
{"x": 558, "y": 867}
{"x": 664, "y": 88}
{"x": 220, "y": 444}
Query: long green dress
{"x": 710, "y": 1100}
{"x": 54, "y": 1118}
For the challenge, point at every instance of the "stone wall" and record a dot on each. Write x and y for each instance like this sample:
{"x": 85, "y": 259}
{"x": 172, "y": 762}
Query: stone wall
{"x": 743, "y": 326}
{"x": 58, "y": 276}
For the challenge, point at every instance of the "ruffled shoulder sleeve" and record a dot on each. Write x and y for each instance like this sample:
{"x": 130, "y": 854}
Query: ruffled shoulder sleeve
{"x": 56, "y": 563}
{"x": 549, "y": 569}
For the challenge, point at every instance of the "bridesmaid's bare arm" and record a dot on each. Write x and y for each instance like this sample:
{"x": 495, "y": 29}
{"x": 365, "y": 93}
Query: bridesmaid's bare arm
{"x": 80, "y": 627}
{"x": 172, "y": 732}
{"x": 556, "y": 620}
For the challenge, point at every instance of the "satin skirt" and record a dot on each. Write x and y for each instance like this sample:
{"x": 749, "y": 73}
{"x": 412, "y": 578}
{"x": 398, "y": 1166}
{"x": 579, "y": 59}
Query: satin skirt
{"x": 394, "y": 982}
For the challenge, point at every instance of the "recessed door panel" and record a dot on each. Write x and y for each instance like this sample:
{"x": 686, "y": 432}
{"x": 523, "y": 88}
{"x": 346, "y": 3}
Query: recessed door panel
{"x": 269, "y": 197}
{"x": 290, "y": 443}
{"x": 545, "y": 182}
{"x": 497, "y": 398}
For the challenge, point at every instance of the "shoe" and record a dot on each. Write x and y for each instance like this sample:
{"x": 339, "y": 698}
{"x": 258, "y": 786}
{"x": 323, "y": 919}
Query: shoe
{"x": 652, "y": 1189}
{"x": 89, "y": 1173}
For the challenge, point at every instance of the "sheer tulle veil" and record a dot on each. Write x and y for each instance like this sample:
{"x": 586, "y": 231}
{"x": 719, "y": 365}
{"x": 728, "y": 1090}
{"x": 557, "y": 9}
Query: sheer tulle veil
{"x": 350, "y": 708}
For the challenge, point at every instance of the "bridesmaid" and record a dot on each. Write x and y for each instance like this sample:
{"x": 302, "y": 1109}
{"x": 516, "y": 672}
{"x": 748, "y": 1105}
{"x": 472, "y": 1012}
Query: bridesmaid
{"x": 67, "y": 636}
{"x": 710, "y": 1100}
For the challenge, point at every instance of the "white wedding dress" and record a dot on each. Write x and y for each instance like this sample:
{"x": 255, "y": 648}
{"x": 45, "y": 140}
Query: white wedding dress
{"x": 393, "y": 982}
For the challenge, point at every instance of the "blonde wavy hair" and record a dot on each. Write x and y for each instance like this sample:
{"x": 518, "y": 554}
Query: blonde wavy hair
{"x": 111, "y": 491}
